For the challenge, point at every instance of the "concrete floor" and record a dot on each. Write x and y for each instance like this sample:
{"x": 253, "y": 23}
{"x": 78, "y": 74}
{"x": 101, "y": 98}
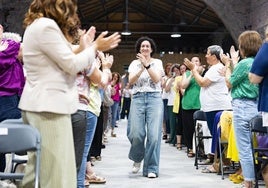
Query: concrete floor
{"x": 176, "y": 169}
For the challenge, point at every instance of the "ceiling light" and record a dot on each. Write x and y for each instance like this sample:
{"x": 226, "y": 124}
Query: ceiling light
{"x": 175, "y": 35}
{"x": 175, "y": 32}
{"x": 126, "y": 32}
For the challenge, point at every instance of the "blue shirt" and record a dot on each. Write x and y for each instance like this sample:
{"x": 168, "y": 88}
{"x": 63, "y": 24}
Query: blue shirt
{"x": 260, "y": 68}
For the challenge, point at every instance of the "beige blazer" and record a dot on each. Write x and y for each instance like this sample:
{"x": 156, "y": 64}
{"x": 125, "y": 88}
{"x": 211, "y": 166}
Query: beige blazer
{"x": 51, "y": 69}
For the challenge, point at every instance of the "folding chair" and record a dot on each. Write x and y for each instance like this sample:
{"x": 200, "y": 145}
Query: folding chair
{"x": 198, "y": 137}
{"x": 15, "y": 161}
{"x": 18, "y": 137}
{"x": 259, "y": 149}
{"x": 223, "y": 134}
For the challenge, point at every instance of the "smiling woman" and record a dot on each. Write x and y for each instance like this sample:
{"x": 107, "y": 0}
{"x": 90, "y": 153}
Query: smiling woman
{"x": 146, "y": 110}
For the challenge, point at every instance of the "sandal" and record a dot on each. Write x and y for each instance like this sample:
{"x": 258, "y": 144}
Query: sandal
{"x": 208, "y": 169}
{"x": 236, "y": 178}
{"x": 207, "y": 161}
{"x": 86, "y": 183}
{"x": 95, "y": 179}
{"x": 190, "y": 154}
{"x": 179, "y": 147}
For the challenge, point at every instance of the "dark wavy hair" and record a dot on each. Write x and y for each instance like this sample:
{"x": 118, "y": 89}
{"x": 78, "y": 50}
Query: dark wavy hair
{"x": 63, "y": 12}
{"x": 141, "y": 39}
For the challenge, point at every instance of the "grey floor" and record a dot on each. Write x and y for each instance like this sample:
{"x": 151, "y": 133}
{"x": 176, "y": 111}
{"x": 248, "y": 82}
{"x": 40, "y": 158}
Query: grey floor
{"x": 176, "y": 169}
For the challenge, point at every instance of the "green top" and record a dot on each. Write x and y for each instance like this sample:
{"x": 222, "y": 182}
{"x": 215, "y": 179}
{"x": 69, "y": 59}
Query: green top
{"x": 241, "y": 86}
{"x": 190, "y": 99}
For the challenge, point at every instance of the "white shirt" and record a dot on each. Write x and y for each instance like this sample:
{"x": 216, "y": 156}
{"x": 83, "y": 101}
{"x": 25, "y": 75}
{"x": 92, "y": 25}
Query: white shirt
{"x": 144, "y": 82}
{"x": 215, "y": 96}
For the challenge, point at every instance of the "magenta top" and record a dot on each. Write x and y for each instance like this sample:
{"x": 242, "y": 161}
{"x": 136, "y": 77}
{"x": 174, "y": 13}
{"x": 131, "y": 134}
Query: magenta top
{"x": 11, "y": 72}
{"x": 116, "y": 96}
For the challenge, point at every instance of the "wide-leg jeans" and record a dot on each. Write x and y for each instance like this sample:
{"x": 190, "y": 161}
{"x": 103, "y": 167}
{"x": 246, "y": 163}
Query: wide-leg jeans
{"x": 145, "y": 121}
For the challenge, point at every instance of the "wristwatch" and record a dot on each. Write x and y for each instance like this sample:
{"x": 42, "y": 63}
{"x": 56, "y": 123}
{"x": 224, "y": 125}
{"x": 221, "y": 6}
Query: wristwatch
{"x": 147, "y": 66}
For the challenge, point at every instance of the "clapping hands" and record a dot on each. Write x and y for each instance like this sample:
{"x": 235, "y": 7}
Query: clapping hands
{"x": 87, "y": 37}
{"x": 107, "y": 43}
{"x": 189, "y": 64}
{"x": 234, "y": 55}
{"x": 106, "y": 60}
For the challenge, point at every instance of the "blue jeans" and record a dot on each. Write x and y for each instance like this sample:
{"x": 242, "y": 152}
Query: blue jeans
{"x": 146, "y": 116}
{"x": 114, "y": 109}
{"x": 79, "y": 134}
{"x": 9, "y": 107}
{"x": 90, "y": 131}
{"x": 243, "y": 111}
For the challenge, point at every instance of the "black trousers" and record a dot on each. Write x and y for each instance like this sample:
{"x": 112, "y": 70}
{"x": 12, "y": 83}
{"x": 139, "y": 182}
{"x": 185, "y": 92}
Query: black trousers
{"x": 2, "y": 162}
{"x": 188, "y": 127}
{"x": 95, "y": 149}
{"x": 125, "y": 108}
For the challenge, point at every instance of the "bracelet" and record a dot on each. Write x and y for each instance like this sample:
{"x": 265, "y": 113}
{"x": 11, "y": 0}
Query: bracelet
{"x": 147, "y": 67}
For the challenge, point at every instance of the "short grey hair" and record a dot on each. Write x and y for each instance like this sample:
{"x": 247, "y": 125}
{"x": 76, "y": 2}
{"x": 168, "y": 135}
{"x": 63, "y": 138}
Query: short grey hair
{"x": 216, "y": 50}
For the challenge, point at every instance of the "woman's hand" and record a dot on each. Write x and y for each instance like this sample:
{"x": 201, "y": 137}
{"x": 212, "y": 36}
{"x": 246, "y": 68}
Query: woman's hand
{"x": 189, "y": 64}
{"x": 103, "y": 43}
{"x": 225, "y": 59}
{"x": 142, "y": 59}
{"x": 222, "y": 71}
{"x": 87, "y": 38}
{"x": 234, "y": 55}
{"x": 106, "y": 60}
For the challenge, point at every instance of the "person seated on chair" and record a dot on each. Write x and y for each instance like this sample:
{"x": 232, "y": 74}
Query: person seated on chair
{"x": 11, "y": 79}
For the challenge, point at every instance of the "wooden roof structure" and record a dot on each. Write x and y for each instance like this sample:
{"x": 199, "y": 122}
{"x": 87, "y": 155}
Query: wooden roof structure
{"x": 197, "y": 23}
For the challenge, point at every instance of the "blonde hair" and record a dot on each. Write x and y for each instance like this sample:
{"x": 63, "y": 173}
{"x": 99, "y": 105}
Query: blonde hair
{"x": 63, "y": 12}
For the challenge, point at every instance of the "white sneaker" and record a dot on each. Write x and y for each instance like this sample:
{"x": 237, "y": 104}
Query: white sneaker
{"x": 136, "y": 167}
{"x": 151, "y": 175}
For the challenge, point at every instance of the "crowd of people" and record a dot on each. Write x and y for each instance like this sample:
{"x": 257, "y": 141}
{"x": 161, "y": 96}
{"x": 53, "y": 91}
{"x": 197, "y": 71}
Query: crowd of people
{"x": 157, "y": 98}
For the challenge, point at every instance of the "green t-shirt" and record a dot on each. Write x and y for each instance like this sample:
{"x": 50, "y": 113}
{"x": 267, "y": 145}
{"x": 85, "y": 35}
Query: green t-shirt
{"x": 241, "y": 86}
{"x": 190, "y": 99}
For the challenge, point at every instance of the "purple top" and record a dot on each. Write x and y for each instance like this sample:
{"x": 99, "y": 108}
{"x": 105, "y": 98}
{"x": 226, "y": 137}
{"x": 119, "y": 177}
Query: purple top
{"x": 11, "y": 72}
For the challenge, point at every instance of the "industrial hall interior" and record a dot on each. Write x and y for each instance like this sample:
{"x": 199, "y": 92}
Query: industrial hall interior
{"x": 133, "y": 93}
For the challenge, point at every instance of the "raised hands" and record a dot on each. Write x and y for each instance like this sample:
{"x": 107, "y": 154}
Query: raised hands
{"x": 87, "y": 37}
{"x": 106, "y": 60}
{"x": 189, "y": 64}
{"x": 103, "y": 43}
{"x": 225, "y": 59}
{"x": 142, "y": 59}
{"x": 234, "y": 55}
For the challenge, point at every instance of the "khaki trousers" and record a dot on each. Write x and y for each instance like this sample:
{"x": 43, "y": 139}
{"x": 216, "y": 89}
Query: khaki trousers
{"x": 57, "y": 151}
